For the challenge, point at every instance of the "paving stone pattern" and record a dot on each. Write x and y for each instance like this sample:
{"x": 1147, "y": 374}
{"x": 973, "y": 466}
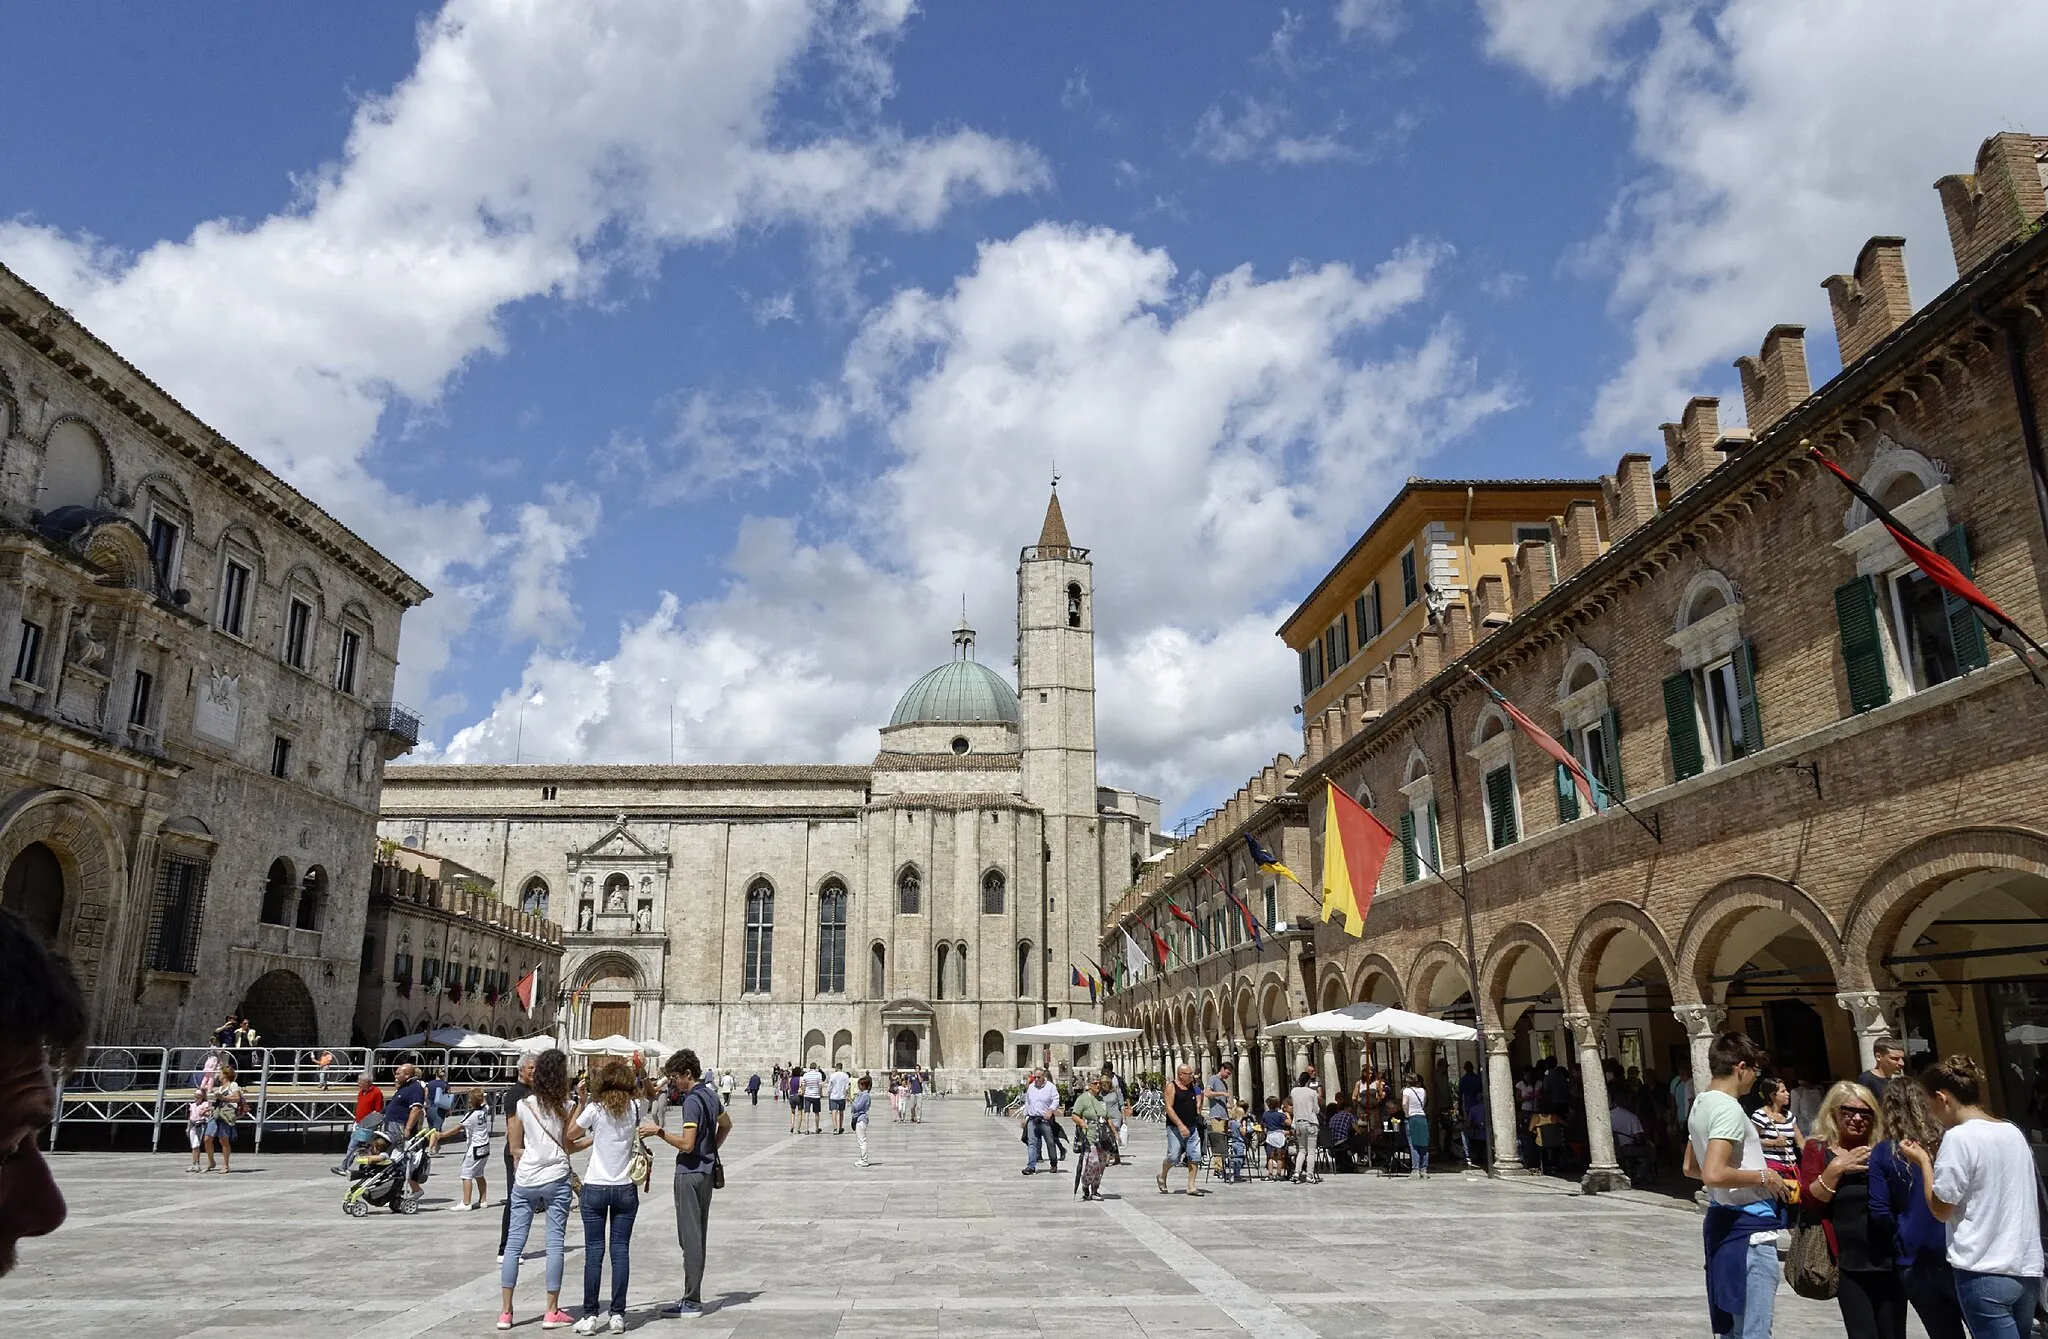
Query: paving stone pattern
{"x": 941, "y": 1237}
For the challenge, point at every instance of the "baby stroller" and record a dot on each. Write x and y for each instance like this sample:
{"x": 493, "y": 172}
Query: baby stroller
{"x": 381, "y": 1177}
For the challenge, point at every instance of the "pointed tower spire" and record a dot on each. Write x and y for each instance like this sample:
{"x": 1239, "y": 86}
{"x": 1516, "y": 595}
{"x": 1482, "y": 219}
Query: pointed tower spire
{"x": 1053, "y": 534}
{"x": 963, "y": 635}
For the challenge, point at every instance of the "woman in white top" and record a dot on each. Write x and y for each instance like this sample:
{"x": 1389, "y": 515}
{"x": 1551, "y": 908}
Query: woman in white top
{"x": 610, "y": 1198}
{"x": 540, "y": 1137}
{"x": 1985, "y": 1187}
{"x": 1415, "y": 1106}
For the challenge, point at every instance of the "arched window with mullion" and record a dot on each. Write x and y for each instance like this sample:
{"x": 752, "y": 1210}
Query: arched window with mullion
{"x": 758, "y": 968}
{"x": 832, "y": 939}
{"x": 909, "y": 892}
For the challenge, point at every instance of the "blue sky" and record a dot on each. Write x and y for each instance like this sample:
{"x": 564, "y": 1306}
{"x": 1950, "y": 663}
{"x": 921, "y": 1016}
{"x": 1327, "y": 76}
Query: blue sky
{"x": 703, "y": 357}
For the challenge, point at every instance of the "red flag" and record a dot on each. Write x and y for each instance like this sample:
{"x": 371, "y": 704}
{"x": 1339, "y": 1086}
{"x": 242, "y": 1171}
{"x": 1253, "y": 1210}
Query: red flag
{"x": 1251, "y": 922}
{"x": 525, "y": 989}
{"x": 1542, "y": 740}
{"x": 1355, "y": 846}
{"x": 1180, "y": 915}
{"x": 1159, "y": 947}
{"x": 1942, "y": 572}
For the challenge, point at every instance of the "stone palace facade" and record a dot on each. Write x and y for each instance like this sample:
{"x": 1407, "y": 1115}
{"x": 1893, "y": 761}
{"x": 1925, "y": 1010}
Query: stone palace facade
{"x": 198, "y": 707}
{"x": 905, "y": 912}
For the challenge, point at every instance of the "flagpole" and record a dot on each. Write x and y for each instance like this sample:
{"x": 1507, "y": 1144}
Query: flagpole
{"x": 1471, "y": 940}
{"x": 1656, "y": 829}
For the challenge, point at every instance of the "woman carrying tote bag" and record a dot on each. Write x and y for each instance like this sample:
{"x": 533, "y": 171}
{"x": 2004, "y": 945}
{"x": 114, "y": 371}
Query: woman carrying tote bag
{"x": 1834, "y": 1190}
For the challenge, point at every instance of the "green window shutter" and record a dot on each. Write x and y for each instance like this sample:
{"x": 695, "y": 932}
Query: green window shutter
{"x": 1745, "y": 699}
{"x": 1964, "y": 631}
{"x": 1436, "y": 854}
{"x": 1411, "y": 868}
{"x": 1567, "y": 789}
{"x": 1610, "y": 746}
{"x": 1500, "y": 805}
{"x": 1684, "y": 724}
{"x": 1862, "y": 644}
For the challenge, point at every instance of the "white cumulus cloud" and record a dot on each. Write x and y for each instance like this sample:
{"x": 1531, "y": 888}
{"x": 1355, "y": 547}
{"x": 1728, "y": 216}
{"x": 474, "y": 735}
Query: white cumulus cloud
{"x": 1216, "y": 440}
{"x": 1774, "y": 137}
{"x": 532, "y": 148}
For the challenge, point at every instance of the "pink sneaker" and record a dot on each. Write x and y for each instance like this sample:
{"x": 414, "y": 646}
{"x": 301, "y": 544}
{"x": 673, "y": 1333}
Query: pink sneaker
{"x": 504, "y": 1320}
{"x": 555, "y": 1320}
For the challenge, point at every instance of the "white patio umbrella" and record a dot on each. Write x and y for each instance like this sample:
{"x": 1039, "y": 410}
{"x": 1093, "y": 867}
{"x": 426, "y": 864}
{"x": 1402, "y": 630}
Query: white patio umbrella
{"x": 533, "y": 1045}
{"x": 612, "y": 1045}
{"x": 1073, "y": 1030}
{"x": 1372, "y": 1020}
{"x": 462, "y": 1039}
{"x": 653, "y": 1048}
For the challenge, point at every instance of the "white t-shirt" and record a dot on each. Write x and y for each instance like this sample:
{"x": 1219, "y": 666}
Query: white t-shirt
{"x": 1306, "y": 1107}
{"x": 1716, "y": 1115}
{"x": 541, "y": 1160}
{"x": 1414, "y": 1102}
{"x": 476, "y": 1129}
{"x": 1986, "y": 1170}
{"x": 838, "y": 1085}
{"x": 813, "y": 1081}
{"x": 611, "y": 1143}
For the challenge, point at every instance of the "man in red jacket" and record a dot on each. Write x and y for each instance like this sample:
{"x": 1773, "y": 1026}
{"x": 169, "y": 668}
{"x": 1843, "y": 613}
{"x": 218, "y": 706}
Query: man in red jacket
{"x": 369, "y": 1119}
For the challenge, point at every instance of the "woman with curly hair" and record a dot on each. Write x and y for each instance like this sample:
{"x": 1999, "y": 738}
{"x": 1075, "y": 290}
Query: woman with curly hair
{"x": 1898, "y": 1204}
{"x": 540, "y": 1136}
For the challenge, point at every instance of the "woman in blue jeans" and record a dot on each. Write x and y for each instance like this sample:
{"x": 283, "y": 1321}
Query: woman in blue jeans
{"x": 540, "y": 1137}
{"x": 610, "y": 1199}
{"x": 1985, "y": 1188}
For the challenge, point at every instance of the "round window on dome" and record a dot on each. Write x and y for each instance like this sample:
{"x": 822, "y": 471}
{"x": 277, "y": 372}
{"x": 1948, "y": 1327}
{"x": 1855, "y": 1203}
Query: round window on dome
{"x": 959, "y": 743}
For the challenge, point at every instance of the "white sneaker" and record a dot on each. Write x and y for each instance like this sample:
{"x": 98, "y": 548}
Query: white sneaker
{"x": 617, "y": 1324}
{"x": 588, "y": 1325}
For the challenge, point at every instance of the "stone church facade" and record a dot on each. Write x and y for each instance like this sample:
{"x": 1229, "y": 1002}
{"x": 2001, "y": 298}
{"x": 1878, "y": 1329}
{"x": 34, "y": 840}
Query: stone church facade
{"x": 905, "y": 912}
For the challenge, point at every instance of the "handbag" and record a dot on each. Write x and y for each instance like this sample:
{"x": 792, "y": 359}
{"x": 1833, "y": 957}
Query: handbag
{"x": 640, "y": 1162}
{"x": 1810, "y": 1265}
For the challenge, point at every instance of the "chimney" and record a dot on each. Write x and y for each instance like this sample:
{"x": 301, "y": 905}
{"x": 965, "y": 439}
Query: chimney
{"x": 1872, "y": 301}
{"x": 1490, "y": 604}
{"x": 1998, "y": 203}
{"x": 1529, "y": 573}
{"x": 1690, "y": 453}
{"x": 1776, "y": 379}
{"x": 1458, "y": 628}
{"x": 1578, "y": 539}
{"x": 1631, "y": 495}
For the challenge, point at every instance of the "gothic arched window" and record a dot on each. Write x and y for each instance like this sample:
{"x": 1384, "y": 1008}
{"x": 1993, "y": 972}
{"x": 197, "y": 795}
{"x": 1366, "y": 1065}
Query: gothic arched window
{"x": 832, "y": 939}
{"x": 760, "y": 955}
{"x": 533, "y": 899}
{"x": 992, "y": 889}
{"x": 945, "y": 956}
{"x": 909, "y": 892}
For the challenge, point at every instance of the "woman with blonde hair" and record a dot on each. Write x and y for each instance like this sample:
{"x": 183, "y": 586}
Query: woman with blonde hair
{"x": 1898, "y": 1202}
{"x": 611, "y": 1197}
{"x": 1834, "y": 1190}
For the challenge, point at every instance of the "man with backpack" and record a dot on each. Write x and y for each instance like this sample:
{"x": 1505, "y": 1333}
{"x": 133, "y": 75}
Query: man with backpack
{"x": 698, "y": 1169}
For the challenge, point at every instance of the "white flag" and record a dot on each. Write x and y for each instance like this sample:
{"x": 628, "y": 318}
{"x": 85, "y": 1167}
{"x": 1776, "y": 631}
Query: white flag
{"x": 1134, "y": 960}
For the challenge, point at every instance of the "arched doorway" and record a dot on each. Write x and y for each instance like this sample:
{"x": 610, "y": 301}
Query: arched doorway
{"x": 282, "y": 1009}
{"x": 903, "y": 1049}
{"x": 34, "y": 890}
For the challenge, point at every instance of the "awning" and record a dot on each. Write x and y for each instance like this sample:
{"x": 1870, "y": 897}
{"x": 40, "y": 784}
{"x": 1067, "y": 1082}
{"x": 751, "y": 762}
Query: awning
{"x": 1372, "y": 1020}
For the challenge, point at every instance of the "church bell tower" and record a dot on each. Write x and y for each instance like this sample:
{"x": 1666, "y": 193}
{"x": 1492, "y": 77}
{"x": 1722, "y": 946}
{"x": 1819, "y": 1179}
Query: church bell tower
{"x": 1056, "y": 697}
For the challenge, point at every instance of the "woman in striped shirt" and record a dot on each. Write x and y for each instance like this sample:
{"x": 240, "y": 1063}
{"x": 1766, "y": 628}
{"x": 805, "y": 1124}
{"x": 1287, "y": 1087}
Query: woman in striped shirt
{"x": 1776, "y": 1129}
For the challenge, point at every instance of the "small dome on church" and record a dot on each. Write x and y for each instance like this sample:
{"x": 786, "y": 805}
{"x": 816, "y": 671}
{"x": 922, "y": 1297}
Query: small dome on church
{"x": 961, "y": 692}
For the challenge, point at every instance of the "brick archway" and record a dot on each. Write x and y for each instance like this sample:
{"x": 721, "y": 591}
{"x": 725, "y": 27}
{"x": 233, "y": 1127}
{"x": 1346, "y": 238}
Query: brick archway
{"x": 282, "y": 1009}
{"x": 1706, "y": 930}
{"x": 1377, "y": 965}
{"x": 1596, "y": 932}
{"x": 1503, "y": 958}
{"x": 88, "y": 849}
{"x": 1901, "y": 883}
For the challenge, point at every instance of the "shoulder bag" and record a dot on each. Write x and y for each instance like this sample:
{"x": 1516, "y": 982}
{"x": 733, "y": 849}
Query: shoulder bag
{"x": 640, "y": 1162}
{"x": 1810, "y": 1266}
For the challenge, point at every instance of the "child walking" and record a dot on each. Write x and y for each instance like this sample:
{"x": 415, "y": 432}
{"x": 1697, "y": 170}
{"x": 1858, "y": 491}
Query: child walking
{"x": 197, "y": 1116}
{"x": 862, "y": 1100}
{"x": 476, "y": 1150}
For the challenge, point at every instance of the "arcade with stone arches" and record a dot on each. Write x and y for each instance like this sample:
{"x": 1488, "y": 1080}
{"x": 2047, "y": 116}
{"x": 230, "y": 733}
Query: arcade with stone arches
{"x": 1942, "y": 945}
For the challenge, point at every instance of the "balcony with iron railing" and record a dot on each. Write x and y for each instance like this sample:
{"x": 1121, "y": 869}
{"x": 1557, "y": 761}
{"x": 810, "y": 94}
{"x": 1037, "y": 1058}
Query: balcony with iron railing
{"x": 396, "y": 727}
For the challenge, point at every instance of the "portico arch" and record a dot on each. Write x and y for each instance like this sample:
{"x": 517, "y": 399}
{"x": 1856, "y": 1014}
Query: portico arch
{"x": 1760, "y": 956}
{"x": 1903, "y": 885}
{"x": 89, "y": 856}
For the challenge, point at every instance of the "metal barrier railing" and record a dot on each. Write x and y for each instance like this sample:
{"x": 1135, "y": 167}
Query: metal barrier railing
{"x": 286, "y": 1088}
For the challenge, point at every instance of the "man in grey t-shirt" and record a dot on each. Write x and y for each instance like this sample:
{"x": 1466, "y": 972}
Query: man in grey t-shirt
{"x": 1307, "y": 1101}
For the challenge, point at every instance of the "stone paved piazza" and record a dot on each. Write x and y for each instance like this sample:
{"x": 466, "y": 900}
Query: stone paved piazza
{"x": 941, "y": 1237}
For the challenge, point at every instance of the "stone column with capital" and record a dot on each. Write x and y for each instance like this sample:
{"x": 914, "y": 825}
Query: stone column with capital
{"x": 1604, "y": 1171}
{"x": 1870, "y": 1012}
{"x": 1502, "y": 1111}
{"x": 1269, "y": 1068}
{"x": 1702, "y": 1023}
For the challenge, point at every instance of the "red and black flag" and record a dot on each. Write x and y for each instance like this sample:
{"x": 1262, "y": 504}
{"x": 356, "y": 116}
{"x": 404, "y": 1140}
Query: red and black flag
{"x": 1179, "y": 915}
{"x": 1159, "y": 948}
{"x": 1945, "y": 574}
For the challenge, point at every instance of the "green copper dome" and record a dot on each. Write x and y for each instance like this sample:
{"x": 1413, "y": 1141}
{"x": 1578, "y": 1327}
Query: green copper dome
{"x": 962, "y": 691}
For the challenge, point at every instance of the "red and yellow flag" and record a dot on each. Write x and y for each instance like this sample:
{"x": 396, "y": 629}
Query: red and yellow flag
{"x": 1355, "y": 846}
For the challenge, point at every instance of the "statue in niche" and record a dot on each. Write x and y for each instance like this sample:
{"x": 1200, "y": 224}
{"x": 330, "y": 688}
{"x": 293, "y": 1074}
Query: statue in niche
{"x": 643, "y": 917}
{"x": 583, "y": 918}
{"x": 615, "y": 898}
{"x": 87, "y": 651}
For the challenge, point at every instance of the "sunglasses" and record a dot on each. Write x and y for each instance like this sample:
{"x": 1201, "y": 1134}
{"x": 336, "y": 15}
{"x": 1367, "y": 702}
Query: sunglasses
{"x": 1860, "y": 1113}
